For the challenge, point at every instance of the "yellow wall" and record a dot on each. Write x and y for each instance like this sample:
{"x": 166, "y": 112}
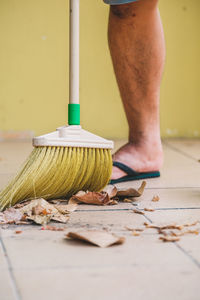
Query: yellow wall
{"x": 34, "y": 68}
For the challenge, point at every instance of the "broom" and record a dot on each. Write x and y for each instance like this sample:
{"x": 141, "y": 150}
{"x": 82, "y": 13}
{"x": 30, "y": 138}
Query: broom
{"x": 69, "y": 159}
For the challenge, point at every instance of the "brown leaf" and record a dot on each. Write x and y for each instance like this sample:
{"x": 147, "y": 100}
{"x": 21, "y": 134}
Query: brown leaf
{"x": 92, "y": 198}
{"x": 10, "y": 216}
{"x": 99, "y": 238}
{"x": 135, "y": 229}
{"x": 155, "y": 198}
{"x": 149, "y": 209}
{"x": 111, "y": 190}
{"x": 163, "y": 227}
{"x": 18, "y": 231}
{"x": 113, "y": 202}
{"x": 135, "y": 233}
{"x": 169, "y": 239}
{"x": 60, "y": 218}
{"x": 66, "y": 209}
{"x": 191, "y": 224}
{"x": 137, "y": 211}
{"x": 126, "y": 200}
{"x": 72, "y": 200}
{"x": 132, "y": 192}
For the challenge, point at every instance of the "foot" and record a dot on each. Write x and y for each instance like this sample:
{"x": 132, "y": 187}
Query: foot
{"x": 142, "y": 158}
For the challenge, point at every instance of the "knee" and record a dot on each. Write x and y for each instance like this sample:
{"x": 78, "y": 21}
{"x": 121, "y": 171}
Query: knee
{"x": 123, "y": 11}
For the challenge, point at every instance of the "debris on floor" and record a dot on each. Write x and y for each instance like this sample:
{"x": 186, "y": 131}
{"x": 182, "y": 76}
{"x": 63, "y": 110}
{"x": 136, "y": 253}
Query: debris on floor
{"x": 168, "y": 232}
{"x": 149, "y": 209}
{"x": 132, "y": 192}
{"x": 37, "y": 210}
{"x": 137, "y": 211}
{"x": 101, "y": 239}
{"x": 53, "y": 228}
{"x": 155, "y": 199}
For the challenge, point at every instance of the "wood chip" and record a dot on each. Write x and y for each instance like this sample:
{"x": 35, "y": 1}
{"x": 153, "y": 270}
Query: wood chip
{"x": 155, "y": 199}
{"x": 99, "y": 238}
{"x": 136, "y": 211}
{"x": 132, "y": 192}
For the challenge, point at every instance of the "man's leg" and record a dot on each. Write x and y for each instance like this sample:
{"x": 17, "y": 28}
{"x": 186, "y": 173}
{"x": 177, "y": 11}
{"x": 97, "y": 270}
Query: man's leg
{"x": 137, "y": 49}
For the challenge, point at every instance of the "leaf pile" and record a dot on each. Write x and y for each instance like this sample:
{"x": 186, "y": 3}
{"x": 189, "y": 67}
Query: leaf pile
{"x": 38, "y": 210}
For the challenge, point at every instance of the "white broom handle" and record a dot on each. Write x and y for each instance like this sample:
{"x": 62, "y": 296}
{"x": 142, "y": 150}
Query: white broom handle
{"x": 74, "y": 53}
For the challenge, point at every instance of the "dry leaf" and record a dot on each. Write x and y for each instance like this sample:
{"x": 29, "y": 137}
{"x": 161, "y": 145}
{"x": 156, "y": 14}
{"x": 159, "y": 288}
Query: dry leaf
{"x": 60, "y": 218}
{"x": 72, "y": 200}
{"x": 149, "y": 209}
{"x": 127, "y": 200}
{"x": 92, "y": 198}
{"x": 136, "y": 211}
{"x": 132, "y": 192}
{"x": 10, "y": 216}
{"x": 18, "y": 231}
{"x": 169, "y": 239}
{"x": 66, "y": 209}
{"x": 135, "y": 233}
{"x": 53, "y": 228}
{"x": 135, "y": 229}
{"x": 192, "y": 232}
{"x": 191, "y": 224}
{"x": 113, "y": 202}
{"x": 21, "y": 204}
{"x": 41, "y": 212}
{"x": 99, "y": 238}
{"x": 111, "y": 190}
{"x": 160, "y": 227}
{"x": 155, "y": 199}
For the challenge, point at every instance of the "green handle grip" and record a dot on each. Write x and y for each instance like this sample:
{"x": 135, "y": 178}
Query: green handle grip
{"x": 74, "y": 114}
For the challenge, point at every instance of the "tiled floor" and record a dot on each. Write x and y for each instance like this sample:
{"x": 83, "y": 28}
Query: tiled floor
{"x": 42, "y": 265}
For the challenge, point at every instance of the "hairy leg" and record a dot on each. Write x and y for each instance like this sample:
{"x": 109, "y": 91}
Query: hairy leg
{"x": 137, "y": 49}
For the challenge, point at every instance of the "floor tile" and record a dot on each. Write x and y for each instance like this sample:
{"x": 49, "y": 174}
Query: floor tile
{"x": 190, "y": 147}
{"x": 133, "y": 282}
{"x": 6, "y": 286}
{"x": 170, "y": 198}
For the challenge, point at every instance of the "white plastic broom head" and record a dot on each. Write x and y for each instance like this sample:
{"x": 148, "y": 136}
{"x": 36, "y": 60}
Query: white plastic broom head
{"x": 72, "y": 136}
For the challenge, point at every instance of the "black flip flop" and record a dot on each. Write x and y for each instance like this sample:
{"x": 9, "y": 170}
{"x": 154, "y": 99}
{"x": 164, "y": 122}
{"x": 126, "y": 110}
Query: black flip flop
{"x": 132, "y": 174}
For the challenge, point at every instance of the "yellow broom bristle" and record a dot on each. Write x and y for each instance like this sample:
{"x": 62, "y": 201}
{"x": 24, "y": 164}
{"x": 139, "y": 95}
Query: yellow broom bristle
{"x": 59, "y": 172}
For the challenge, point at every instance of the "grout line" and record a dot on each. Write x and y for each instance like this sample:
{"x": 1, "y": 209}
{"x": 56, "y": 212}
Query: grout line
{"x": 174, "y": 208}
{"x": 96, "y": 210}
{"x": 179, "y": 151}
{"x": 194, "y": 260}
{"x": 10, "y": 269}
{"x": 128, "y": 209}
{"x": 172, "y": 188}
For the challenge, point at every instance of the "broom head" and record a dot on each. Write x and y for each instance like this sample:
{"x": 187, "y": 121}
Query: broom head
{"x": 62, "y": 163}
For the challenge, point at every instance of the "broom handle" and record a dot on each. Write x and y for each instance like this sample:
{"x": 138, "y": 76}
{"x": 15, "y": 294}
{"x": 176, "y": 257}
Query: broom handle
{"x": 74, "y": 106}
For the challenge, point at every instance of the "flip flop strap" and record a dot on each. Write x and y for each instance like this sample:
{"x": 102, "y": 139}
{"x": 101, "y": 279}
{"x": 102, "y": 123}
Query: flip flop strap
{"x": 125, "y": 168}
